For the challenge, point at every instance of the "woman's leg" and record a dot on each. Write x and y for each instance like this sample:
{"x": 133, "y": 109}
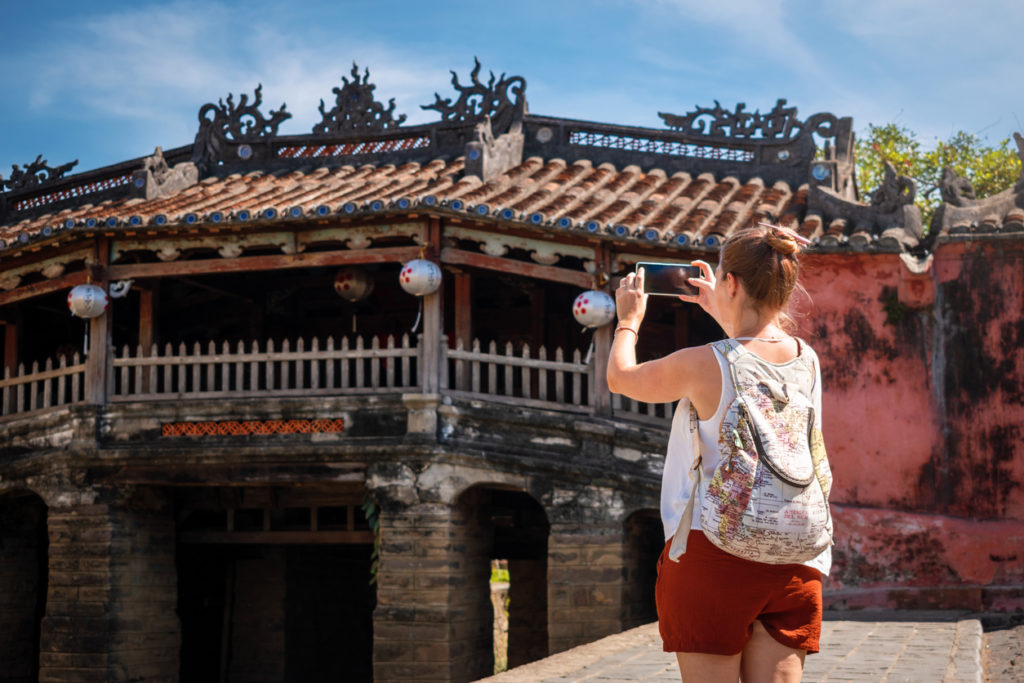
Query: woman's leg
{"x": 696, "y": 667}
{"x": 766, "y": 660}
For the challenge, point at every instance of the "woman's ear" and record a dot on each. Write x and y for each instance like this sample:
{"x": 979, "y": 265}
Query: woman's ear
{"x": 732, "y": 284}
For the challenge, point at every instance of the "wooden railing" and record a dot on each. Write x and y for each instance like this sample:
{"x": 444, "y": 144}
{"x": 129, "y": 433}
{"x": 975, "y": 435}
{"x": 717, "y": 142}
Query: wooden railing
{"x": 657, "y": 413}
{"x": 524, "y": 379}
{"x": 342, "y": 368}
{"x": 30, "y": 389}
{"x": 557, "y": 380}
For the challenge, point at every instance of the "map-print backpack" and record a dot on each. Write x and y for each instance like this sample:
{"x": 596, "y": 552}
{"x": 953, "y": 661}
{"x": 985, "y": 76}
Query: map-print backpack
{"x": 767, "y": 500}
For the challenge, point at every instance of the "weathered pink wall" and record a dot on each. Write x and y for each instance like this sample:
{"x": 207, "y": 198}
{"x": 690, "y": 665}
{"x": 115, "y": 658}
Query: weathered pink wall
{"x": 923, "y": 418}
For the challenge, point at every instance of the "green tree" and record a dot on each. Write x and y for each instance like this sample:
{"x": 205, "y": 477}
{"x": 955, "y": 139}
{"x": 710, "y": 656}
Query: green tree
{"x": 989, "y": 169}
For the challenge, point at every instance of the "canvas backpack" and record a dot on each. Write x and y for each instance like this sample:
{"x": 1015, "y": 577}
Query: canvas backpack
{"x": 767, "y": 499}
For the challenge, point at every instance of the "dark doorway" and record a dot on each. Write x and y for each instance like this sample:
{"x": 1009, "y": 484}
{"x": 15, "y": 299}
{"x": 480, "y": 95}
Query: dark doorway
{"x": 512, "y": 527}
{"x": 274, "y": 586}
{"x": 645, "y": 539}
{"x": 24, "y": 561}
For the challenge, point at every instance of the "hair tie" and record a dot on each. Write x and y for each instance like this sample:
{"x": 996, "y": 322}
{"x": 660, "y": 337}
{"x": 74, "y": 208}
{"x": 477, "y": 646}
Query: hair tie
{"x": 788, "y": 232}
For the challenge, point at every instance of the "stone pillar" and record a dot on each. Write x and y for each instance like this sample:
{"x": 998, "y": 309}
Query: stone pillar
{"x": 110, "y": 609}
{"x": 433, "y": 618}
{"x": 411, "y": 623}
{"x": 585, "y": 582}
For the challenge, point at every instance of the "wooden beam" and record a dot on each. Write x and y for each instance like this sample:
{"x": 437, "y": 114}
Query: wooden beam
{"x": 258, "y": 263}
{"x": 45, "y": 287}
{"x": 521, "y": 268}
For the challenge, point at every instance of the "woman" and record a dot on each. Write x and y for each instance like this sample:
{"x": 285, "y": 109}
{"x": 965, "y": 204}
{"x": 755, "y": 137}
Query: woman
{"x": 725, "y": 617}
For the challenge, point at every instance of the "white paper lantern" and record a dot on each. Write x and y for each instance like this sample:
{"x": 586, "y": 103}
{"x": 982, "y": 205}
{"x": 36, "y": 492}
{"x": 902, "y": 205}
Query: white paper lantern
{"x": 593, "y": 309}
{"x": 87, "y": 301}
{"x": 353, "y": 284}
{"x": 419, "y": 277}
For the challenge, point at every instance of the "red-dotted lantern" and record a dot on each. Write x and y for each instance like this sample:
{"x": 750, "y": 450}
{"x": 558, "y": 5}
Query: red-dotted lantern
{"x": 87, "y": 301}
{"x": 353, "y": 284}
{"x": 420, "y": 276}
{"x": 593, "y": 309}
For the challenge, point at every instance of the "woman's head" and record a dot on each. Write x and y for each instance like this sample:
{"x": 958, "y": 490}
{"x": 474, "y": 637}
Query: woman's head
{"x": 764, "y": 260}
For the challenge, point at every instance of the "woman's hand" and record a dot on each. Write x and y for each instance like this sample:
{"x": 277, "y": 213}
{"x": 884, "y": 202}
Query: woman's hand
{"x": 705, "y": 289}
{"x": 630, "y": 300}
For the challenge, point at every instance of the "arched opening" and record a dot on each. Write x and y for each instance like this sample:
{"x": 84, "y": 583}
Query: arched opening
{"x": 644, "y": 541}
{"x": 512, "y": 528}
{"x": 274, "y": 584}
{"x": 24, "y": 559}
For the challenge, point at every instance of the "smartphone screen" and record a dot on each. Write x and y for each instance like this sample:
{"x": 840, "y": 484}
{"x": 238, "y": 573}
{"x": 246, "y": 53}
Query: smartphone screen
{"x": 668, "y": 279}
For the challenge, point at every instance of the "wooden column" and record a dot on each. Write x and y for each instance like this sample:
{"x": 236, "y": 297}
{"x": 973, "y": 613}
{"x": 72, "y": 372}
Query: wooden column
{"x": 147, "y": 329}
{"x": 97, "y": 362}
{"x": 601, "y": 396}
{"x": 464, "y": 309}
{"x": 433, "y": 322}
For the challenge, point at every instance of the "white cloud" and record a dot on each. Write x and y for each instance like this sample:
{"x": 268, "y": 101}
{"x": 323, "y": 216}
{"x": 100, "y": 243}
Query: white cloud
{"x": 155, "y": 66}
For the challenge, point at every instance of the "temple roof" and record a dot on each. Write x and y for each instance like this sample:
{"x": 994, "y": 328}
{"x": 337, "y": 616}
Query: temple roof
{"x": 710, "y": 172}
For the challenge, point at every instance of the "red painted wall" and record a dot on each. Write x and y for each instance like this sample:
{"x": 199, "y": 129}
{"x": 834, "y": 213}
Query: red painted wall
{"x": 923, "y": 416}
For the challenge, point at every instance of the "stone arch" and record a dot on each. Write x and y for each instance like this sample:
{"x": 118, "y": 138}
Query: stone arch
{"x": 499, "y": 522}
{"x": 24, "y": 555}
{"x": 644, "y": 539}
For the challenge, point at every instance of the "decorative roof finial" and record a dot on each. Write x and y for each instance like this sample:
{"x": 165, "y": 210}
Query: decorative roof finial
{"x": 477, "y": 100}
{"x": 355, "y": 109}
{"x": 229, "y": 127}
{"x": 36, "y": 173}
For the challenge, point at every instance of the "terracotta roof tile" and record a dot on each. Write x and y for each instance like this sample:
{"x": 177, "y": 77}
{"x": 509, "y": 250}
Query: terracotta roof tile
{"x": 633, "y": 202}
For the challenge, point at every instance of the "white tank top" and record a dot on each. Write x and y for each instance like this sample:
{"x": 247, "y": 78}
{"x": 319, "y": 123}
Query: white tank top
{"x": 676, "y": 485}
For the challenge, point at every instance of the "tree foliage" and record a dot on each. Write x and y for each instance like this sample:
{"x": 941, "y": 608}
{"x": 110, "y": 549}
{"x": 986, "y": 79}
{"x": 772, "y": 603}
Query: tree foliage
{"x": 990, "y": 169}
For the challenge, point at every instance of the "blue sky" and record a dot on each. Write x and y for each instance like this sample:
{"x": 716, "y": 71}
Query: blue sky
{"x": 107, "y": 81}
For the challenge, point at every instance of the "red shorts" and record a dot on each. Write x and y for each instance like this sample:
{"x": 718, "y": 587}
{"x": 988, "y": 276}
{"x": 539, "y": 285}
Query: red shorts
{"x": 708, "y": 601}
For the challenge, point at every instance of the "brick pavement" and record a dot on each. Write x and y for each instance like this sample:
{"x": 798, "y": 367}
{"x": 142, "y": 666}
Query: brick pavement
{"x": 921, "y": 646}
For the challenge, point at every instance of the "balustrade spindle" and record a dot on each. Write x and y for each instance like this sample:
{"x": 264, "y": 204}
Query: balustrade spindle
{"x": 577, "y": 380}
{"x": 254, "y": 366}
{"x": 314, "y": 364}
{"x": 460, "y": 365}
{"x": 360, "y": 361}
{"x": 542, "y": 375}
{"x": 285, "y": 366}
{"x": 211, "y": 369}
{"x": 225, "y": 368}
{"x": 47, "y": 384}
{"x": 525, "y": 372}
{"x": 375, "y": 362}
{"x": 329, "y": 365}
{"x": 406, "y": 363}
{"x": 492, "y": 369}
{"x": 7, "y": 393}
{"x": 33, "y": 388}
{"x": 19, "y": 393}
{"x": 239, "y": 385}
{"x": 391, "y": 361}
{"x": 475, "y": 369}
{"x": 62, "y": 365}
{"x": 509, "y": 379}
{"x": 300, "y": 365}
{"x": 268, "y": 367}
{"x": 344, "y": 363}
{"x": 76, "y": 381}
{"x": 560, "y": 376}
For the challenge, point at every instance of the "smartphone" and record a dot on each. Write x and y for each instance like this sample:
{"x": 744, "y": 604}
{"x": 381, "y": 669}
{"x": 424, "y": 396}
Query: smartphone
{"x": 669, "y": 279}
